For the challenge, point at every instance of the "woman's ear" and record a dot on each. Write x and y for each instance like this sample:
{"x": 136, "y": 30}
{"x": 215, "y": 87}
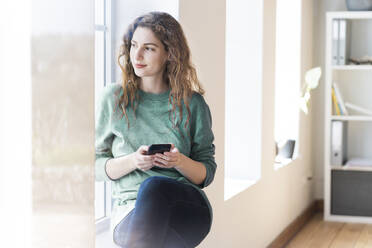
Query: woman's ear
{"x": 167, "y": 60}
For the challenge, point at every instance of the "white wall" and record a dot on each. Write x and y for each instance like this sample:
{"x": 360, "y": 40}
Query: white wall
{"x": 257, "y": 215}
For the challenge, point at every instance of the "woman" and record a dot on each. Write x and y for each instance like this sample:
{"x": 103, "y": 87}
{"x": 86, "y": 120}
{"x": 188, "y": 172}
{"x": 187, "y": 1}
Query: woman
{"x": 159, "y": 201}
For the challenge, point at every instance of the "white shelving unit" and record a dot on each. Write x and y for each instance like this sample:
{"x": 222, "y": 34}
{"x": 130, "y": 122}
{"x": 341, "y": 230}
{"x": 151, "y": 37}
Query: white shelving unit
{"x": 355, "y": 82}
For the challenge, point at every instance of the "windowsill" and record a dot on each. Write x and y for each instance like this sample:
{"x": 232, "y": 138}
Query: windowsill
{"x": 235, "y": 186}
{"x": 104, "y": 240}
{"x": 283, "y": 163}
{"x": 102, "y": 225}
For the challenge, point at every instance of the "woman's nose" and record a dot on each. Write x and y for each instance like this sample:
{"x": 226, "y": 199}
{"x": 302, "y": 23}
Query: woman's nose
{"x": 138, "y": 54}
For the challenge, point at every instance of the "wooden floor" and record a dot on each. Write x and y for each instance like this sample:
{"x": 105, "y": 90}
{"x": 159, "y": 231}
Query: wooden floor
{"x": 318, "y": 233}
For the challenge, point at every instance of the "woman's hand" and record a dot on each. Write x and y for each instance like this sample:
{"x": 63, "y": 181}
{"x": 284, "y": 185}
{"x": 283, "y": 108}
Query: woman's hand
{"x": 170, "y": 159}
{"x": 193, "y": 170}
{"x": 141, "y": 160}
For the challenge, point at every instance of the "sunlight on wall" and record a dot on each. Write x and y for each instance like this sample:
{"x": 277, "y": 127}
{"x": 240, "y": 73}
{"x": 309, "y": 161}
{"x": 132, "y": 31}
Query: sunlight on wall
{"x": 287, "y": 70}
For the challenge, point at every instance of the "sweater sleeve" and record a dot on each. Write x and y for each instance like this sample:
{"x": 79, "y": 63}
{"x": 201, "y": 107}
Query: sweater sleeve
{"x": 104, "y": 136}
{"x": 202, "y": 147}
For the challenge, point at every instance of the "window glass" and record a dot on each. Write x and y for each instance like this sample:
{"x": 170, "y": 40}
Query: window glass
{"x": 287, "y": 71}
{"x": 243, "y": 95}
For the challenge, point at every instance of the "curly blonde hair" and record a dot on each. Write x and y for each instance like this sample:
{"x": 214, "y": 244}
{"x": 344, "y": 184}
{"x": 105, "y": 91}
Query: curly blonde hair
{"x": 179, "y": 74}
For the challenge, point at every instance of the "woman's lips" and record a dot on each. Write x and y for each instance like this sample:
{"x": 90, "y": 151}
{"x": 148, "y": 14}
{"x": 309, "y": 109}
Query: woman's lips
{"x": 139, "y": 66}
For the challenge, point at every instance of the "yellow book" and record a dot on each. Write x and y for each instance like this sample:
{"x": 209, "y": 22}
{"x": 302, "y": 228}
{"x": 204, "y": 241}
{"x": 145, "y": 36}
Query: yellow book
{"x": 334, "y": 98}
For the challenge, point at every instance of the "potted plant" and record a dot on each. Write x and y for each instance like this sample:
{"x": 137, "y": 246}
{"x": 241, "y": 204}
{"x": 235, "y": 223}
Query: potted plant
{"x": 312, "y": 77}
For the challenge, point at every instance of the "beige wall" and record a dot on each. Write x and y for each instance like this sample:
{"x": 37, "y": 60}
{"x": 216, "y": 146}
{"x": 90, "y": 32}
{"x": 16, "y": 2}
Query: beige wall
{"x": 256, "y": 216}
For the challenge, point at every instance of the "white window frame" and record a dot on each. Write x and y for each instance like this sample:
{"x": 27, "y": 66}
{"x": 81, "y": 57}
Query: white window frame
{"x": 103, "y": 223}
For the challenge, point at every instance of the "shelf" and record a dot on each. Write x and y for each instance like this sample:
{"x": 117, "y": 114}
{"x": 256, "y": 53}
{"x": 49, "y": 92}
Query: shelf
{"x": 351, "y": 67}
{"x": 348, "y": 218}
{"x": 350, "y": 15}
{"x": 351, "y": 118}
{"x": 351, "y": 168}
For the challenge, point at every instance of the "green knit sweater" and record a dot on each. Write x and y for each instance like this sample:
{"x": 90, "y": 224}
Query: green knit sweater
{"x": 151, "y": 125}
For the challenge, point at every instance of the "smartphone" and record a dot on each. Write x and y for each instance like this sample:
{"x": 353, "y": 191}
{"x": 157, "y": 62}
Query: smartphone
{"x": 159, "y": 148}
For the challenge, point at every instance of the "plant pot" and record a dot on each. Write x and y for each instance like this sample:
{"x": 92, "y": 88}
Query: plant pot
{"x": 359, "y": 5}
{"x": 285, "y": 150}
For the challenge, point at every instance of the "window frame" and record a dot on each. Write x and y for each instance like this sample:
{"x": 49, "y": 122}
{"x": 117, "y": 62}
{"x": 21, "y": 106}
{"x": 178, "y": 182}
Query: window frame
{"x": 103, "y": 224}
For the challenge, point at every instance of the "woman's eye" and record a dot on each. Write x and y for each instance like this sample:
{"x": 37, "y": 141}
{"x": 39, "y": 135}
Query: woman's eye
{"x": 150, "y": 49}
{"x": 133, "y": 45}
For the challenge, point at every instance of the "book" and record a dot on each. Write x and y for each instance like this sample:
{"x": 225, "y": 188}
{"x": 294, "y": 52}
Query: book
{"x": 340, "y": 99}
{"x": 358, "y": 108}
{"x": 335, "y": 103}
{"x": 335, "y": 41}
{"x": 340, "y": 41}
{"x": 338, "y": 142}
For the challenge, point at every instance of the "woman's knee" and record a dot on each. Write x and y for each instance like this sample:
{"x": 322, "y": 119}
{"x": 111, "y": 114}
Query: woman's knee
{"x": 118, "y": 238}
{"x": 153, "y": 189}
{"x": 121, "y": 230}
{"x": 154, "y": 184}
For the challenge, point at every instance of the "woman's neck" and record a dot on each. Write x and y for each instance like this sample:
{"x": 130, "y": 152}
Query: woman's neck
{"x": 153, "y": 85}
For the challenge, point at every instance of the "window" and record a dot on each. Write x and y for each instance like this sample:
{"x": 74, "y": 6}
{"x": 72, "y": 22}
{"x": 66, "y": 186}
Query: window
{"x": 287, "y": 77}
{"x": 243, "y": 95}
{"x": 101, "y": 78}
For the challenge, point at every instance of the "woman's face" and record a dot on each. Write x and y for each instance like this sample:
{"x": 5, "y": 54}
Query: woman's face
{"x": 147, "y": 53}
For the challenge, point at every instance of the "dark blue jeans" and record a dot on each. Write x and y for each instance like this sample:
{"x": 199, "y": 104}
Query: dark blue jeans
{"x": 167, "y": 214}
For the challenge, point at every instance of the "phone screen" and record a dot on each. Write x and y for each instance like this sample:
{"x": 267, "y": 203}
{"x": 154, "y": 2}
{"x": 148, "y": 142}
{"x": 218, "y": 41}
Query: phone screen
{"x": 158, "y": 148}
